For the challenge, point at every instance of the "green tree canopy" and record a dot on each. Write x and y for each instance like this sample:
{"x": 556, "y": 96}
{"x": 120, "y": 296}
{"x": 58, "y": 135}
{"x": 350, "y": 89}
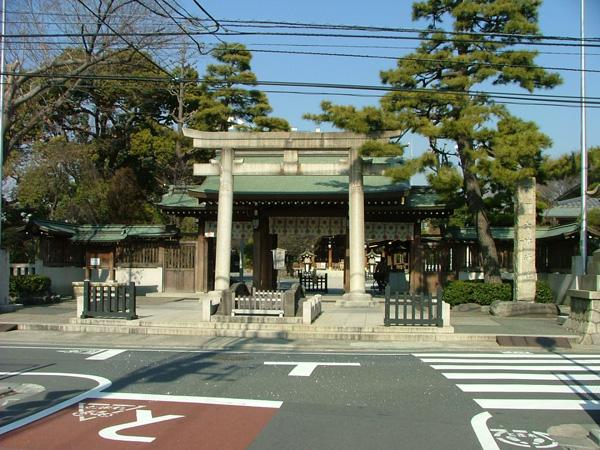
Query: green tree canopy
{"x": 224, "y": 99}
{"x": 476, "y": 146}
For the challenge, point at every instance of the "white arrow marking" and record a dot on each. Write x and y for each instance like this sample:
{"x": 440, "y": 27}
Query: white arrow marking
{"x": 305, "y": 369}
{"x": 143, "y": 417}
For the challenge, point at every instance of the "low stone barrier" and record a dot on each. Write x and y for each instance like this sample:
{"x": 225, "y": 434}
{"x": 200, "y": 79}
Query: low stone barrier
{"x": 311, "y": 309}
{"x": 512, "y": 309}
{"x": 585, "y": 316}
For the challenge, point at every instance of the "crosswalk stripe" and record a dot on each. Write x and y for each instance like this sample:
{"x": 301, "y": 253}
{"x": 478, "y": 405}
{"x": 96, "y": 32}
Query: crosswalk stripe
{"x": 509, "y": 361}
{"x": 546, "y": 405}
{"x": 565, "y": 368}
{"x": 106, "y": 354}
{"x": 493, "y": 372}
{"x": 521, "y": 376}
{"x": 506, "y": 355}
{"x": 531, "y": 388}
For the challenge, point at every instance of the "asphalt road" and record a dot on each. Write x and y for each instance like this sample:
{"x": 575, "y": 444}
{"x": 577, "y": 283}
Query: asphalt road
{"x": 73, "y": 398}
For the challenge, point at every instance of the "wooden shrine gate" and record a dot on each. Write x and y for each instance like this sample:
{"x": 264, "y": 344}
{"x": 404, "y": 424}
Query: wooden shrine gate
{"x": 180, "y": 267}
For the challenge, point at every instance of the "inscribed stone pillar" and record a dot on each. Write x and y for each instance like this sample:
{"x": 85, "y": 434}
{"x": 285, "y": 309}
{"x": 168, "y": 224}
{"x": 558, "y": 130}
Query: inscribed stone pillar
{"x": 262, "y": 266}
{"x": 416, "y": 261}
{"x": 224, "y": 221}
{"x": 356, "y": 211}
{"x": 525, "y": 275}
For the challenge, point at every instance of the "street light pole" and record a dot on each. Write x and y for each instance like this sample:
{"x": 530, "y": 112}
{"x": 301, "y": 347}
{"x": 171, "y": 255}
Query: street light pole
{"x": 583, "y": 230}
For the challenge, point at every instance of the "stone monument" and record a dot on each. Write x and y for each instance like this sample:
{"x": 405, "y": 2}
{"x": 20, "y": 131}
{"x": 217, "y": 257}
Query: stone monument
{"x": 525, "y": 275}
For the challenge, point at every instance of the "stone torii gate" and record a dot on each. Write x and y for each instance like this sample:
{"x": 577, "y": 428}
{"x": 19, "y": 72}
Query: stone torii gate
{"x": 291, "y": 143}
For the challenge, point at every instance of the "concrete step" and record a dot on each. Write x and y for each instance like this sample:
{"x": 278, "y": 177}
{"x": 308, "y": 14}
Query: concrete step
{"x": 243, "y": 326}
{"x": 361, "y": 334}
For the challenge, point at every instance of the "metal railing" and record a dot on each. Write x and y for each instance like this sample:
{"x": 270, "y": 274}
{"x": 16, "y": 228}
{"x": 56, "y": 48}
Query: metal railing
{"x": 259, "y": 303}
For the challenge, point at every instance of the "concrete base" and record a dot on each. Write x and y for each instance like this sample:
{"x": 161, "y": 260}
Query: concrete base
{"x": 10, "y": 307}
{"x": 356, "y": 300}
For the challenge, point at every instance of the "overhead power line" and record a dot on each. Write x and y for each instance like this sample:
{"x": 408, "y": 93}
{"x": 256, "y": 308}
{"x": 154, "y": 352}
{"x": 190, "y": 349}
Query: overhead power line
{"x": 422, "y": 31}
{"x": 221, "y": 23}
{"x": 566, "y": 99}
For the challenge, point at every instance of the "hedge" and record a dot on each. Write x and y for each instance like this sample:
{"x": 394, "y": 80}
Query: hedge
{"x": 31, "y": 289}
{"x": 457, "y": 292}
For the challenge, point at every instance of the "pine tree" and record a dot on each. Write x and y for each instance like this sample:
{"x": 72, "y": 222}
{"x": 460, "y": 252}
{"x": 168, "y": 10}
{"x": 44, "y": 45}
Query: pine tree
{"x": 225, "y": 100}
{"x": 435, "y": 97}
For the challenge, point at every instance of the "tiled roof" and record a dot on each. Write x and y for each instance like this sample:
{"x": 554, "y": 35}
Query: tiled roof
{"x": 101, "y": 233}
{"x": 571, "y": 207}
{"x": 507, "y": 233}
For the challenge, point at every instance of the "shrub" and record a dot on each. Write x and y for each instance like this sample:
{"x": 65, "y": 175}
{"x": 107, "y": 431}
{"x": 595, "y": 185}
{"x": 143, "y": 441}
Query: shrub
{"x": 457, "y": 292}
{"x": 543, "y": 293}
{"x": 30, "y": 289}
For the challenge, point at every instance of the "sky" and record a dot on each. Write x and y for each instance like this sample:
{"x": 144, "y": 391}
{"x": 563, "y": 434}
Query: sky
{"x": 556, "y": 17}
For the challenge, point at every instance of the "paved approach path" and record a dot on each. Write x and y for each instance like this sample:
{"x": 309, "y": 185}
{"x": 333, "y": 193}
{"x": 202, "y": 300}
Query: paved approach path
{"x": 160, "y": 316}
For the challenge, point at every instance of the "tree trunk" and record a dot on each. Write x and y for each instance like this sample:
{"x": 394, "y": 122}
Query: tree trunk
{"x": 489, "y": 254}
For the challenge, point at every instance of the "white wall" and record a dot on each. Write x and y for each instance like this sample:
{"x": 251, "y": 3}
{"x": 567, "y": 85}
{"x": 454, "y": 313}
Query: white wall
{"x": 61, "y": 277}
{"x": 146, "y": 279}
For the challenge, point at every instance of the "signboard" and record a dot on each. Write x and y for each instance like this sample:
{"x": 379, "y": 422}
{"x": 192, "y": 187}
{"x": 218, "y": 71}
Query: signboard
{"x": 278, "y": 258}
{"x": 94, "y": 262}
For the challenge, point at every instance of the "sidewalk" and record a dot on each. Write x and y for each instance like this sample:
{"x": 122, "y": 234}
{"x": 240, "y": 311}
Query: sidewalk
{"x": 176, "y": 316}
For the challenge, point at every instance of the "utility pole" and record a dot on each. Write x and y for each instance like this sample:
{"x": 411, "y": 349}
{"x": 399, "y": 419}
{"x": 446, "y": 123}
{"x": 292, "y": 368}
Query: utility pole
{"x": 2, "y": 110}
{"x": 584, "y": 159}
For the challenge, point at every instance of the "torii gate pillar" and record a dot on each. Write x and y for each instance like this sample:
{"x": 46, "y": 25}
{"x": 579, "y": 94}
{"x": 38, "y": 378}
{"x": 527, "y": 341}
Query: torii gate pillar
{"x": 224, "y": 221}
{"x": 357, "y": 296}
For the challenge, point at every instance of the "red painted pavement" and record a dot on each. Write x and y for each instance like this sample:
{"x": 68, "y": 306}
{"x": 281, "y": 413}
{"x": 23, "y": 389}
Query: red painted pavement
{"x": 204, "y": 426}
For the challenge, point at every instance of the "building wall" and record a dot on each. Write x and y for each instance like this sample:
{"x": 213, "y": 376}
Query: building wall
{"x": 61, "y": 277}
{"x": 146, "y": 280}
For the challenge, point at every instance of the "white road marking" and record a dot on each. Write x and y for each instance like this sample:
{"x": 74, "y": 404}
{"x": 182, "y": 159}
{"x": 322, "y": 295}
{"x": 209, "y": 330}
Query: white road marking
{"x": 508, "y": 361}
{"x": 533, "y": 388}
{"x": 218, "y": 350}
{"x": 485, "y": 438}
{"x": 539, "y": 404}
{"x": 507, "y": 355}
{"x": 142, "y": 417}
{"x": 189, "y": 399}
{"x": 521, "y": 376}
{"x": 305, "y": 369}
{"x": 103, "y": 383}
{"x": 564, "y": 368}
{"x": 566, "y": 375}
{"x": 106, "y": 354}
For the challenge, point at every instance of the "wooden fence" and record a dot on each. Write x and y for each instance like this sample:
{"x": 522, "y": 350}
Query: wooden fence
{"x": 112, "y": 301}
{"x": 312, "y": 282}
{"x": 403, "y": 308}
